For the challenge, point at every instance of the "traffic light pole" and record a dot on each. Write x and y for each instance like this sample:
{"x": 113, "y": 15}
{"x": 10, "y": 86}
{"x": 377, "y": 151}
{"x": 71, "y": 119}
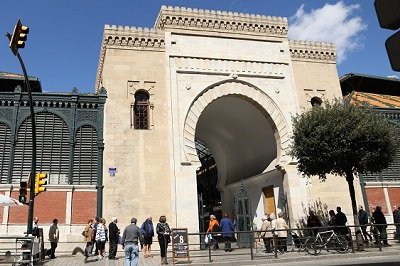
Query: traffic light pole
{"x": 33, "y": 164}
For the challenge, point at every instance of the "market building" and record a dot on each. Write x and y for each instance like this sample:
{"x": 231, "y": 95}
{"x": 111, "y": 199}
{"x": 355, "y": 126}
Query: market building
{"x": 198, "y": 118}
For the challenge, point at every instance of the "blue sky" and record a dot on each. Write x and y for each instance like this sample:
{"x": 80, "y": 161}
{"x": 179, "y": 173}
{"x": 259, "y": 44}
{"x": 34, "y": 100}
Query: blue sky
{"x": 65, "y": 36}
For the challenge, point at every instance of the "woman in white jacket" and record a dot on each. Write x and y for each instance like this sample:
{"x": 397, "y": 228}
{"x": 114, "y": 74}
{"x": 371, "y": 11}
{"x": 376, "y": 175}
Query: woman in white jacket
{"x": 281, "y": 226}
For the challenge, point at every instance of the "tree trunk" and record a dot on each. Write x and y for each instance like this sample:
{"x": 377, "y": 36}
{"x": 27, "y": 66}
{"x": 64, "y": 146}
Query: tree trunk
{"x": 359, "y": 237}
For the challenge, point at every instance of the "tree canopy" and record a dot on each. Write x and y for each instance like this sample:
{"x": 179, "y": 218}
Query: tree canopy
{"x": 342, "y": 138}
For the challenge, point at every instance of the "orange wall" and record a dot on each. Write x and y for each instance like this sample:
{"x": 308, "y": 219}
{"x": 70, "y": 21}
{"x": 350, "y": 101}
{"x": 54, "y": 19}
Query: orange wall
{"x": 83, "y": 206}
{"x": 376, "y": 197}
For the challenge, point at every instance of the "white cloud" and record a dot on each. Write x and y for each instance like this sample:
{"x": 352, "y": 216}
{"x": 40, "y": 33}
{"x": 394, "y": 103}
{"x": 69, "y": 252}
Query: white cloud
{"x": 336, "y": 23}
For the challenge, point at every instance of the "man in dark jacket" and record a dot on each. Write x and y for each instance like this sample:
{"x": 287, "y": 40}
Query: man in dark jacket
{"x": 53, "y": 237}
{"x": 381, "y": 224}
{"x": 341, "y": 221}
{"x": 227, "y": 230}
{"x": 363, "y": 220}
{"x": 113, "y": 235}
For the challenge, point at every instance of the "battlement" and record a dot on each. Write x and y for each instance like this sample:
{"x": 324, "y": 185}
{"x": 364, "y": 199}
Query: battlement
{"x": 221, "y": 21}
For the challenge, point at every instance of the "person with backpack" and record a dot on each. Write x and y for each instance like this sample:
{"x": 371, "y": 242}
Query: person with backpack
{"x": 148, "y": 234}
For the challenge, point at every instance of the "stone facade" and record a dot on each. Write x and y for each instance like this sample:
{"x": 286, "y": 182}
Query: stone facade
{"x": 231, "y": 80}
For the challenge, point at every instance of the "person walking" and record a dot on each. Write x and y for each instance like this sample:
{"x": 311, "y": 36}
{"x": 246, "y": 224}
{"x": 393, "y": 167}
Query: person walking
{"x": 363, "y": 220}
{"x": 101, "y": 238}
{"x": 227, "y": 230}
{"x": 380, "y": 224}
{"x": 113, "y": 236}
{"x": 332, "y": 218}
{"x": 164, "y": 237}
{"x": 88, "y": 238}
{"x": 396, "y": 219}
{"x": 213, "y": 226}
{"x": 341, "y": 221}
{"x": 130, "y": 242}
{"x": 53, "y": 237}
{"x": 148, "y": 228}
{"x": 266, "y": 228}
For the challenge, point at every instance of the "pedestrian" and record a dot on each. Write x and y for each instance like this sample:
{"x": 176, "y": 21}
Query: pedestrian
{"x": 130, "y": 242}
{"x": 164, "y": 237}
{"x": 363, "y": 220}
{"x": 227, "y": 230}
{"x": 113, "y": 236}
{"x": 396, "y": 220}
{"x": 313, "y": 222}
{"x": 101, "y": 238}
{"x": 266, "y": 234}
{"x": 380, "y": 224}
{"x": 94, "y": 226}
{"x": 88, "y": 238}
{"x": 341, "y": 221}
{"x": 332, "y": 218}
{"x": 53, "y": 238}
{"x": 148, "y": 228}
{"x": 213, "y": 228}
{"x": 281, "y": 227}
{"x": 35, "y": 227}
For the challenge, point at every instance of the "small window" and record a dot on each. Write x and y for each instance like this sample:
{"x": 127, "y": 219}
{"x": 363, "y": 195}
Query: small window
{"x": 316, "y": 101}
{"x": 141, "y": 110}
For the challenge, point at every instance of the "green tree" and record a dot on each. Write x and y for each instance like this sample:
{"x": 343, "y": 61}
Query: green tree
{"x": 342, "y": 139}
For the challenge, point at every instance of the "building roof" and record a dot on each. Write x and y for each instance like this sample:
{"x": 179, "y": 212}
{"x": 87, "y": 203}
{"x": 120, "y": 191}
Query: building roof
{"x": 8, "y": 82}
{"x": 370, "y": 84}
{"x": 376, "y": 100}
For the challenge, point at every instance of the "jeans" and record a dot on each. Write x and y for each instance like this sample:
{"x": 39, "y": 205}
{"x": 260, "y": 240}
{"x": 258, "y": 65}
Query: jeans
{"x": 131, "y": 254}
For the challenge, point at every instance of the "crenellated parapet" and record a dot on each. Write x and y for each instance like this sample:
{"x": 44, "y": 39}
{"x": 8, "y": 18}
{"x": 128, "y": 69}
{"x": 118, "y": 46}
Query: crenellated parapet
{"x": 312, "y": 51}
{"x": 221, "y": 21}
{"x": 129, "y": 38}
{"x": 132, "y": 37}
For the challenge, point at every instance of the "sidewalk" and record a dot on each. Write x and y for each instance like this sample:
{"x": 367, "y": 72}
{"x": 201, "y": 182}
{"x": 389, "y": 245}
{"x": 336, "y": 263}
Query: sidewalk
{"x": 238, "y": 257}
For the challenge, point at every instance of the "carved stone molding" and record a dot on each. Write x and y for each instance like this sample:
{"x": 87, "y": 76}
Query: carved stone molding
{"x": 230, "y": 67}
{"x": 131, "y": 37}
{"x": 221, "y": 21}
{"x": 128, "y": 38}
{"x": 312, "y": 51}
{"x": 234, "y": 87}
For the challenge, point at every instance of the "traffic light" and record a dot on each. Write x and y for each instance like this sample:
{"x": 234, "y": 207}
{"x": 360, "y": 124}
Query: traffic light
{"x": 19, "y": 37}
{"x": 40, "y": 182}
{"x": 22, "y": 191}
{"x": 388, "y": 12}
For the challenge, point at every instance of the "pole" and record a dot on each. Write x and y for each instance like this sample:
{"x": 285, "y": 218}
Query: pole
{"x": 33, "y": 164}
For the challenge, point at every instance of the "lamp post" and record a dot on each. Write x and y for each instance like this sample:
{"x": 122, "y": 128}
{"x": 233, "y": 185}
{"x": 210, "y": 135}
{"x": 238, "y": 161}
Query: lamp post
{"x": 17, "y": 40}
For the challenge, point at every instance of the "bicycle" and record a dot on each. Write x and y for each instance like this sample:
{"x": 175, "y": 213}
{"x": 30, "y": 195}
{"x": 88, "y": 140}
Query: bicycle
{"x": 314, "y": 245}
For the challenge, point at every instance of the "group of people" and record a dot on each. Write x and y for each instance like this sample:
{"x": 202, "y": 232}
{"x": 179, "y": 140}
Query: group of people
{"x": 338, "y": 220}
{"x": 272, "y": 226}
{"x": 96, "y": 234}
{"x": 226, "y": 228}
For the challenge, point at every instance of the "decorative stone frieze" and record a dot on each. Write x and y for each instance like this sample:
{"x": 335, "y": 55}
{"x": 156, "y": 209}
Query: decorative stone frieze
{"x": 221, "y": 21}
{"x": 225, "y": 66}
{"x": 312, "y": 51}
{"x": 128, "y": 38}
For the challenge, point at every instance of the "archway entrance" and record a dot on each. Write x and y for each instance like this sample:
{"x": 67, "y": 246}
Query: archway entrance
{"x": 235, "y": 142}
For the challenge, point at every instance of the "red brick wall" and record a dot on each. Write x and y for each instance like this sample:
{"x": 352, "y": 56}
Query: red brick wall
{"x": 48, "y": 205}
{"x": 83, "y": 206}
{"x": 376, "y": 197}
{"x": 394, "y": 195}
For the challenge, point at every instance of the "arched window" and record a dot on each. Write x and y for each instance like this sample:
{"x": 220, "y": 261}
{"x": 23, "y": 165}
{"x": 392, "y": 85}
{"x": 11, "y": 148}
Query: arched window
{"x": 316, "y": 101}
{"x": 141, "y": 110}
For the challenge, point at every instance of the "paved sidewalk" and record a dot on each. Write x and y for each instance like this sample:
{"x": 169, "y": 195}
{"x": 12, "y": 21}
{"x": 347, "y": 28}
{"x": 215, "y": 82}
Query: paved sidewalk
{"x": 238, "y": 257}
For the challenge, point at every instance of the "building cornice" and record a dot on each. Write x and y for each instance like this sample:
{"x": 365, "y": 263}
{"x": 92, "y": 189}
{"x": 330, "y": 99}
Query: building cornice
{"x": 312, "y": 51}
{"x": 181, "y": 18}
{"x": 124, "y": 37}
